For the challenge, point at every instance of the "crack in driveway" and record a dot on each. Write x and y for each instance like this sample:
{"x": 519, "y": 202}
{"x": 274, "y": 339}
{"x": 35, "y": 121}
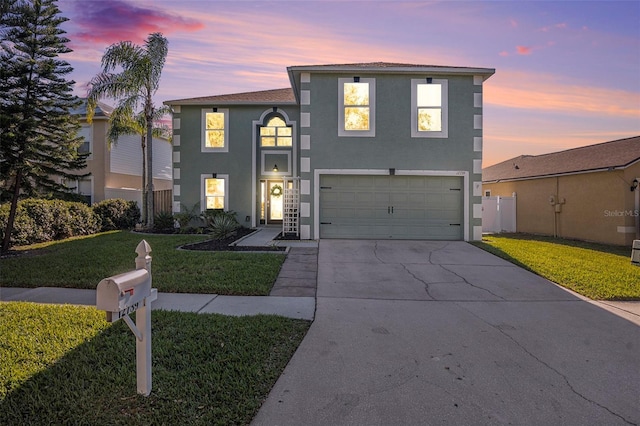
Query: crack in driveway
{"x": 548, "y": 366}
{"x": 472, "y": 285}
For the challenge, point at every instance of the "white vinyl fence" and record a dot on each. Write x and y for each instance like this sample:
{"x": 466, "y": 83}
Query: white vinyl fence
{"x": 498, "y": 214}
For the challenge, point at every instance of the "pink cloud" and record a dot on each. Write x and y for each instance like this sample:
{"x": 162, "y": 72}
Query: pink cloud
{"x": 561, "y": 26}
{"x": 524, "y": 50}
{"x": 116, "y": 20}
{"x": 504, "y": 53}
{"x": 548, "y": 93}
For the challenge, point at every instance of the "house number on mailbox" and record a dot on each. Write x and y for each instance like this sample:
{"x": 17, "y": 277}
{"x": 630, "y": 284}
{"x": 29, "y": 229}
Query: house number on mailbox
{"x": 126, "y": 311}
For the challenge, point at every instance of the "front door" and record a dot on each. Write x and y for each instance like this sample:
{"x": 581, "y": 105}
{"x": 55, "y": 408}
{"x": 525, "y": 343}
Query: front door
{"x": 271, "y": 199}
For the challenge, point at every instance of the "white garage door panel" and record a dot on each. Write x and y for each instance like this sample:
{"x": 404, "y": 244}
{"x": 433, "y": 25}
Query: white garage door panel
{"x": 400, "y": 207}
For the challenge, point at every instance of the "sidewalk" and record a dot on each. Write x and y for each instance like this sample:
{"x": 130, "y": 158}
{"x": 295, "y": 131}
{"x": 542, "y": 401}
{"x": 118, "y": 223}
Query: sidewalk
{"x": 291, "y": 307}
{"x": 292, "y": 296}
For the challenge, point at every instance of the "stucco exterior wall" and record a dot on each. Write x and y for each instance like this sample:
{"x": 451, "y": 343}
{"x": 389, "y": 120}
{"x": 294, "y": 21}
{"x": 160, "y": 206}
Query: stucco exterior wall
{"x": 98, "y": 162}
{"x": 392, "y": 147}
{"x": 189, "y": 162}
{"x": 597, "y": 206}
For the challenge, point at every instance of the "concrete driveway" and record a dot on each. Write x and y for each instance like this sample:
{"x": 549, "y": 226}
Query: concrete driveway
{"x": 420, "y": 332}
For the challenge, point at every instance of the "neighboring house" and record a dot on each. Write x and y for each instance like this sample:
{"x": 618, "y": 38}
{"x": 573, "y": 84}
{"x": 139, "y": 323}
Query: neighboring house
{"x": 589, "y": 193}
{"x": 116, "y": 172}
{"x": 374, "y": 150}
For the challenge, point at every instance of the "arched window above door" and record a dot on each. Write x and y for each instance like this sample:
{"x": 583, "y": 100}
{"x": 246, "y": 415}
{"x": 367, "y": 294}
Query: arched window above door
{"x": 275, "y": 133}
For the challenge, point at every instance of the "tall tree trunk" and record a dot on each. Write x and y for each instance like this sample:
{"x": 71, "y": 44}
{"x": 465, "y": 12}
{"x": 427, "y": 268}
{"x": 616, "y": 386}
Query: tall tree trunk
{"x": 143, "y": 207}
{"x": 150, "y": 208}
{"x": 6, "y": 242}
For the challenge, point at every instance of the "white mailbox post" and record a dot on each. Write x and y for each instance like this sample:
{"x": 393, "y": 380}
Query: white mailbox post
{"x": 635, "y": 253}
{"x": 123, "y": 294}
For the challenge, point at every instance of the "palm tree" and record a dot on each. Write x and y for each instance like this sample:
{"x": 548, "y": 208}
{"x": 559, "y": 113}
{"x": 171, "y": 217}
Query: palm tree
{"x": 123, "y": 122}
{"x": 133, "y": 86}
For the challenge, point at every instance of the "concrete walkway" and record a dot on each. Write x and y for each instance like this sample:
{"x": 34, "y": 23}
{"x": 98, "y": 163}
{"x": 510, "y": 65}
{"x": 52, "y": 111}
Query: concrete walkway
{"x": 291, "y": 307}
{"x": 419, "y": 332}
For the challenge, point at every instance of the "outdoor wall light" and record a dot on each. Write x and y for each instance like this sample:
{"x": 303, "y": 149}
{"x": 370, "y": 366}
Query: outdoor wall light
{"x": 634, "y": 185}
{"x": 429, "y": 80}
{"x": 356, "y": 79}
{"x": 215, "y": 109}
{"x": 275, "y": 167}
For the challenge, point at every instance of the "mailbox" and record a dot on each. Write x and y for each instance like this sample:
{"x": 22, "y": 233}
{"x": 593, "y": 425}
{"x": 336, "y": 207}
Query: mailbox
{"x": 123, "y": 294}
{"x": 130, "y": 292}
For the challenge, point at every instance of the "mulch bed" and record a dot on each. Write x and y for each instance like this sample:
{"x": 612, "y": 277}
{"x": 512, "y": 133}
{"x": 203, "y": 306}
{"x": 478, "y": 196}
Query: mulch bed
{"x": 223, "y": 245}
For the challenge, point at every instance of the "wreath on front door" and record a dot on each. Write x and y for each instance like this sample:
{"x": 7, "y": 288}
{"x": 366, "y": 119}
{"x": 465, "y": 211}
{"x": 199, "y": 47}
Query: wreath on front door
{"x": 276, "y": 191}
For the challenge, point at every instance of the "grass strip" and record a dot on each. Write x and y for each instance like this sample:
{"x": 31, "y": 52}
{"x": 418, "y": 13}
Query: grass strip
{"x": 597, "y": 271}
{"x": 66, "y": 365}
{"x": 82, "y": 262}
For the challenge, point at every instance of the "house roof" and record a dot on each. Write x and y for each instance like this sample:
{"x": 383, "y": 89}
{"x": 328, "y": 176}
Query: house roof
{"x": 269, "y": 97}
{"x": 102, "y": 110}
{"x": 612, "y": 155}
{"x": 392, "y": 67}
{"x": 288, "y": 95}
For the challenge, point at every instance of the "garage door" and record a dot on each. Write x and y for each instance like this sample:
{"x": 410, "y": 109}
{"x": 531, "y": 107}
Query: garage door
{"x": 398, "y": 207}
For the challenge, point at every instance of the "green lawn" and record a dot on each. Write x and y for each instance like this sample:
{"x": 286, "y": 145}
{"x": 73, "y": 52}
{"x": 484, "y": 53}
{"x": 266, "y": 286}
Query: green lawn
{"x": 83, "y": 262}
{"x": 66, "y": 365}
{"x": 597, "y": 271}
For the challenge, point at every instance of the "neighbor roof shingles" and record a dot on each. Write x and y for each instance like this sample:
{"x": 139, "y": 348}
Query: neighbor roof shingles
{"x": 614, "y": 154}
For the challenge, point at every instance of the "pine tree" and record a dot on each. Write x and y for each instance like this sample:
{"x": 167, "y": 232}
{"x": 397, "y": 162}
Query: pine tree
{"x": 38, "y": 136}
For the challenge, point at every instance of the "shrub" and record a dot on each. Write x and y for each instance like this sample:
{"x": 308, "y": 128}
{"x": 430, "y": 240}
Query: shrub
{"x": 163, "y": 221}
{"x": 86, "y": 221}
{"x": 220, "y": 224}
{"x": 187, "y": 215}
{"x": 24, "y": 227}
{"x": 117, "y": 213}
{"x": 39, "y": 220}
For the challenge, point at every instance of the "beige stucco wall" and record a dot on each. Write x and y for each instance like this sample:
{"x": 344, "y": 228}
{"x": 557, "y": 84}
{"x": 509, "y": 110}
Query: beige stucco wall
{"x": 99, "y": 157}
{"x": 99, "y": 165}
{"x": 597, "y": 206}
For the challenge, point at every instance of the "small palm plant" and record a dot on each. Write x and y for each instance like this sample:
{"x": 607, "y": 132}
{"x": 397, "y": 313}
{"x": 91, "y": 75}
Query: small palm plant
{"x": 220, "y": 224}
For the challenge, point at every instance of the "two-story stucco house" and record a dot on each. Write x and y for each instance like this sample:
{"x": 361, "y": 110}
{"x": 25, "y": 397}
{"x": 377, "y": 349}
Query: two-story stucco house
{"x": 116, "y": 171}
{"x": 373, "y": 150}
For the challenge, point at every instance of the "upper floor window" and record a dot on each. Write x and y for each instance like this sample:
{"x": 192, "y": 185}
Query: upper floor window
{"x": 356, "y": 112}
{"x": 276, "y": 133}
{"x": 86, "y": 131}
{"x": 429, "y": 113}
{"x": 215, "y": 130}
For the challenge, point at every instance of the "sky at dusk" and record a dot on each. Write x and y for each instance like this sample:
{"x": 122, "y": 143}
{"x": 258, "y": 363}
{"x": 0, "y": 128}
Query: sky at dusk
{"x": 567, "y": 72}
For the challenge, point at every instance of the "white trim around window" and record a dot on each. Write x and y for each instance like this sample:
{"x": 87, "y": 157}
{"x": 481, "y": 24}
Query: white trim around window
{"x": 225, "y": 130}
{"x": 371, "y": 105}
{"x": 203, "y": 195}
{"x": 443, "y": 108}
